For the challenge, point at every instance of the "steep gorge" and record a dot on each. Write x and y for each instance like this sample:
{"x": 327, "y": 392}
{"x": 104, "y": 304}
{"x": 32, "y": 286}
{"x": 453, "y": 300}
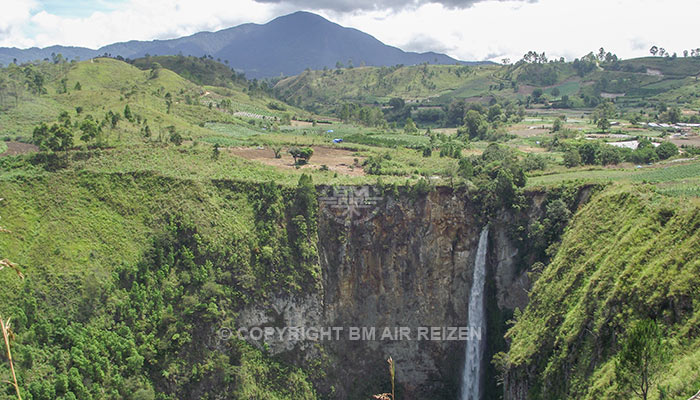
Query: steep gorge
{"x": 230, "y": 254}
{"x": 408, "y": 263}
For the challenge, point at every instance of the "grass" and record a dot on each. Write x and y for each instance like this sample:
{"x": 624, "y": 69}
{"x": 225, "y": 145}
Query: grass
{"x": 625, "y": 254}
{"x": 74, "y": 232}
{"x": 109, "y": 85}
{"x": 667, "y": 172}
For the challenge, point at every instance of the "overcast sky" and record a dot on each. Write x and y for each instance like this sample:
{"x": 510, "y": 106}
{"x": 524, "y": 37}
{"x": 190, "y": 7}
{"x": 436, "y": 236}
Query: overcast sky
{"x": 464, "y": 29}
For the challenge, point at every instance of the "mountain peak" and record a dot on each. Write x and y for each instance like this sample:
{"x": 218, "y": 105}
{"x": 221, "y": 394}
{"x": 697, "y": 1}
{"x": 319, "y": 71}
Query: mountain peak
{"x": 286, "y": 45}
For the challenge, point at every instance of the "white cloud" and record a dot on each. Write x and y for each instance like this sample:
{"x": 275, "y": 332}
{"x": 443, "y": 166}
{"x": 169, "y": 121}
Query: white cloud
{"x": 559, "y": 27}
{"x": 488, "y": 29}
{"x": 134, "y": 20}
{"x": 12, "y": 19}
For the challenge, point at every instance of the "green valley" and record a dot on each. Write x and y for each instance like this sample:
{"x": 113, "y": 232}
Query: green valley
{"x": 156, "y": 206}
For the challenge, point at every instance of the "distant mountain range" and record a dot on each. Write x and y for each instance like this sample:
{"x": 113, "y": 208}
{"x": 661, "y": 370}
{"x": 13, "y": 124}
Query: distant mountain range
{"x": 284, "y": 46}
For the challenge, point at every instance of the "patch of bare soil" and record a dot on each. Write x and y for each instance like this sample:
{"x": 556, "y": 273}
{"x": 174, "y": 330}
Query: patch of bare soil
{"x": 337, "y": 160}
{"x": 688, "y": 141}
{"x": 530, "y": 131}
{"x": 15, "y": 148}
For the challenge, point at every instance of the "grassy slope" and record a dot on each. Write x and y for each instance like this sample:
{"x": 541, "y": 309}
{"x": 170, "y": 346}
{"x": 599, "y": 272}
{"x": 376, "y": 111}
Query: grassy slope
{"x": 71, "y": 232}
{"x": 442, "y": 83}
{"x": 370, "y": 84}
{"x": 109, "y": 85}
{"x": 201, "y": 71}
{"x": 629, "y": 254}
{"x": 669, "y": 177}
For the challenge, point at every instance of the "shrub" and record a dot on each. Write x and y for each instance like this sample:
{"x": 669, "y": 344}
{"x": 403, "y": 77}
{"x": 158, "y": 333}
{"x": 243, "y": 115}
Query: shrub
{"x": 666, "y": 150}
{"x": 572, "y": 158}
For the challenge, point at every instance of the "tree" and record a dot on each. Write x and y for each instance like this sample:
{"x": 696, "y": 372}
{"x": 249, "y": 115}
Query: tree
{"x": 609, "y": 155}
{"x": 301, "y": 155}
{"x": 215, "y": 152}
{"x": 277, "y": 150}
{"x": 557, "y": 125}
{"x": 641, "y": 358}
{"x": 127, "y": 113}
{"x": 572, "y": 158}
{"x": 397, "y": 104}
{"x": 666, "y": 150}
{"x": 495, "y": 112}
{"x": 466, "y": 168}
{"x": 601, "y": 54}
{"x": 114, "y": 118}
{"x": 89, "y": 129}
{"x": 536, "y": 94}
{"x": 55, "y": 138}
{"x": 603, "y": 124}
{"x": 672, "y": 115}
{"x": 168, "y": 102}
{"x": 653, "y": 50}
{"x": 588, "y": 153}
{"x": 410, "y": 126}
{"x": 603, "y": 113}
{"x": 475, "y": 125}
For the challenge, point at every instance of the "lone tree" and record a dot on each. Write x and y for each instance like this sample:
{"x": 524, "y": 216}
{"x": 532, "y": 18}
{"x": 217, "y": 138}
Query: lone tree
{"x": 602, "y": 115}
{"x": 410, "y": 126}
{"x": 301, "y": 155}
{"x": 641, "y": 358}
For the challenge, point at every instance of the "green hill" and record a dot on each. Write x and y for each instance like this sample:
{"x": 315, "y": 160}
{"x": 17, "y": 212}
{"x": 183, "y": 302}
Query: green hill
{"x": 644, "y": 82}
{"x": 99, "y": 86}
{"x": 628, "y": 255}
{"x": 130, "y": 266}
{"x": 200, "y": 70}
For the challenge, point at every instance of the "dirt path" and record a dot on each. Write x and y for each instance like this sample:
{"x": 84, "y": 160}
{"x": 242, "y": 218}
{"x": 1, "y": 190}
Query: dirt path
{"x": 14, "y": 148}
{"x": 337, "y": 160}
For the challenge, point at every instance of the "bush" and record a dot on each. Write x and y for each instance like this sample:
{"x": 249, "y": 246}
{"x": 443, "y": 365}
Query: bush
{"x": 572, "y": 158}
{"x": 533, "y": 162}
{"x": 666, "y": 150}
{"x": 608, "y": 155}
{"x": 301, "y": 155}
{"x": 176, "y": 138}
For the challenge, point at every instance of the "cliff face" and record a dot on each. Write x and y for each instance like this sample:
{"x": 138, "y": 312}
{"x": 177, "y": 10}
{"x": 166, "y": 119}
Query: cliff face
{"x": 409, "y": 266}
{"x": 407, "y": 261}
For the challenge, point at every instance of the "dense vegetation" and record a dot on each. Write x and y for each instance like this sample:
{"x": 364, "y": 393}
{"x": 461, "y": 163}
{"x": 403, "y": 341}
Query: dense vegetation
{"x": 630, "y": 255}
{"x": 128, "y": 303}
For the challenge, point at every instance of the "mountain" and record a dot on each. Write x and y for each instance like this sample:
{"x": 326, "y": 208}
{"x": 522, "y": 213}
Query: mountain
{"x": 284, "y": 46}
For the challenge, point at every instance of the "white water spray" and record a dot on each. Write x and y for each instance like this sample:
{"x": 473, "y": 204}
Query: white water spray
{"x": 475, "y": 349}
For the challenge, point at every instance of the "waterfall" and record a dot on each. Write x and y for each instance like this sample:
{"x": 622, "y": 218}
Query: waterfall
{"x": 476, "y": 325}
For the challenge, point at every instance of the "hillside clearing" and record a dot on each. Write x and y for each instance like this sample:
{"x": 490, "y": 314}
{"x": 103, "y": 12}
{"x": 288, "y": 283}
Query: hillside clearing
{"x": 337, "y": 160}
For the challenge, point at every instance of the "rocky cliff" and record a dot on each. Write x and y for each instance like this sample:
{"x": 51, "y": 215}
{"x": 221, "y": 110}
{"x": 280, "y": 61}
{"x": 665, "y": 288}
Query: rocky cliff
{"x": 405, "y": 261}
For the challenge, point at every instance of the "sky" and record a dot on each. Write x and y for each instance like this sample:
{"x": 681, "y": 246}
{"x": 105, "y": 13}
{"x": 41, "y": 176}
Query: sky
{"x": 468, "y": 30}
